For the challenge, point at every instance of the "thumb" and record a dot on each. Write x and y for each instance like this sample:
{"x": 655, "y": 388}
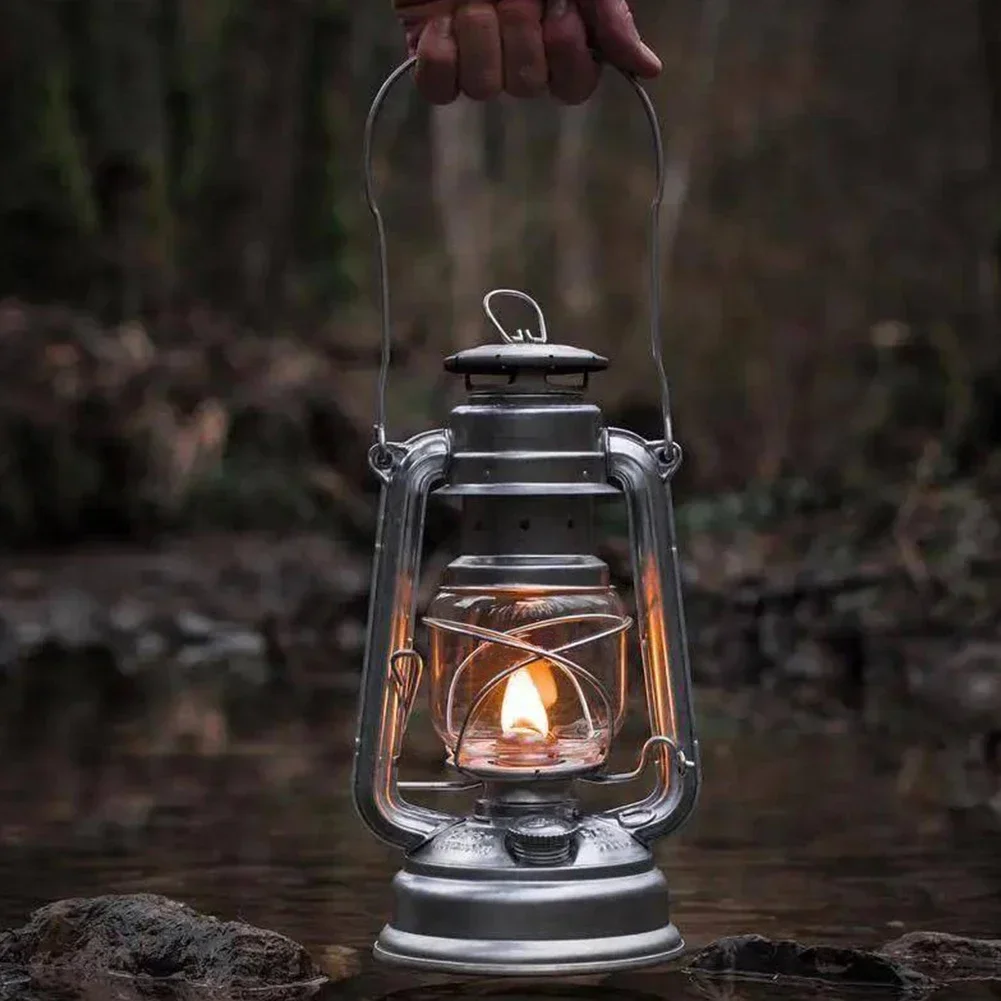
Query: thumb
{"x": 613, "y": 32}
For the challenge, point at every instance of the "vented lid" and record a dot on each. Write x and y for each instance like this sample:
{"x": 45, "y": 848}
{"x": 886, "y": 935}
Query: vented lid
{"x": 512, "y": 359}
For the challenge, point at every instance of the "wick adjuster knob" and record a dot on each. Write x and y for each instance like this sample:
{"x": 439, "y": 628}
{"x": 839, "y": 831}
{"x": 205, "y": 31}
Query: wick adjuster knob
{"x": 541, "y": 840}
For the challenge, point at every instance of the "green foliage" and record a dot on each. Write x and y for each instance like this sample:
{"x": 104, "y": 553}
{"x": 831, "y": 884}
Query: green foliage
{"x": 105, "y": 435}
{"x": 60, "y": 147}
{"x": 46, "y": 207}
{"x": 827, "y": 306}
{"x": 321, "y": 232}
{"x": 248, "y": 494}
{"x": 140, "y": 140}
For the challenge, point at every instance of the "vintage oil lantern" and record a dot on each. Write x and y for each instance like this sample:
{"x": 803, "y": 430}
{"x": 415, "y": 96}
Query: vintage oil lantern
{"x": 527, "y": 662}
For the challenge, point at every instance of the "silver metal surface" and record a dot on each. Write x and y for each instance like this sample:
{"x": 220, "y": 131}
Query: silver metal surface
{"x": 654, "y": 254}
{"x": 526, "y": 359}
{"x": 540, "y": 541}
{"x": 555, "y": 570}
{"x": 542, "y": 840}
{"x": 618, "y": 778}
{"x": 514, "y": 958}
{"x": 521, "y": 334}
{"x": 504, "y": 801}
{"x": 413, "y": 472}
{"x": 460, "y": 785}
{"x": 636, "y": 465}
{"x": 476, "y": 850}
{"x": 473, "y": 898}
{"x": 527, "y": 433}
{"x": 418, "y": 467}
{"x": 407, "y": 683}
{"x": 463, "y": 903}
{"x": 536, "y": 444}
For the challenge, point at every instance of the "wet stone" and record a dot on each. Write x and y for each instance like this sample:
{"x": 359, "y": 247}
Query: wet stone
{"x": 10, "y": 647}
{"x": 945, "y": 957}
{"x": 29, "y": 635}
{"x": 150, "y": 647}
{"x": 756, "y": 956}
{"x": 244, "y": 653}
{"x": 128, "y": 616}
{"x": 74, "y": 619}
{"x": 195, "y": 627}
{"x": 74, "y": 942}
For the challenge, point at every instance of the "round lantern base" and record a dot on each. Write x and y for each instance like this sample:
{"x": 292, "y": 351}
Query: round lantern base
{"x": 465, "y": 906}
{"x": 538, "y": 958}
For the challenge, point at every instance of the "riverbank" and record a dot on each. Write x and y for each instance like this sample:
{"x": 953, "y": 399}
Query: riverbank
{"x": 222, "y": 643}
{"x": 143, "y": 946}
{"x": 809, "y": 610}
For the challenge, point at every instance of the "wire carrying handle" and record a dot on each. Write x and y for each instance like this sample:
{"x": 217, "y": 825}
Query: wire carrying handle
{"x": 383, "y": 452}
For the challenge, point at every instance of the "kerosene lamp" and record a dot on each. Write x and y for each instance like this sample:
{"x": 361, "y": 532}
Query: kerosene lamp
{"x": 526, "y": 662}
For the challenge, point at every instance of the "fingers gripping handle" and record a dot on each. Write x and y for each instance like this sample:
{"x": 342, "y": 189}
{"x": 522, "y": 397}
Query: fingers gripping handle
{"x": 382, "y": 455}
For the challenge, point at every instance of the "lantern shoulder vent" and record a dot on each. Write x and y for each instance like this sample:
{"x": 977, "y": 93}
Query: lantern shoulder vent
{"x": 512, "y": 359}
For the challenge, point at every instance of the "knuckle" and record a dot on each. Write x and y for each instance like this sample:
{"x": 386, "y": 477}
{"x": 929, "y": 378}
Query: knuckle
{"x": 520, "y": 12}
{"x": 477, "y": 16}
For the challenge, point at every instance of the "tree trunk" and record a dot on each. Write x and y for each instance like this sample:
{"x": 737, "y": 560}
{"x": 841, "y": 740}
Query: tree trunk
{"x": 990, "y": 36}
{"x": 462, "y": 198}
{"x": 576, "y": 268}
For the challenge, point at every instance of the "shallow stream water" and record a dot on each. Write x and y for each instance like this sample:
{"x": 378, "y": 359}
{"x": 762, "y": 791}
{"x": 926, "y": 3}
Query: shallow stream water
{"x": 795, "y": 836}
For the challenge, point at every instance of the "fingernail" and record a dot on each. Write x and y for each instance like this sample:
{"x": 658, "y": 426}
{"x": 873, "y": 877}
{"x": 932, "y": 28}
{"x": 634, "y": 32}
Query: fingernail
{"x": 651, "y": 55}
{"x": 443, "y": 26}
{"x": 557, "y": 9}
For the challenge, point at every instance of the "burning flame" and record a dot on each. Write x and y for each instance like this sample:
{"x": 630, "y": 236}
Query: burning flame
{"x": 524, "y": 705}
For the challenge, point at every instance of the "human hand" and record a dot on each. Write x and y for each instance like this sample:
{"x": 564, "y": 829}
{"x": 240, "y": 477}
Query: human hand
{"x": 482, "y": 48}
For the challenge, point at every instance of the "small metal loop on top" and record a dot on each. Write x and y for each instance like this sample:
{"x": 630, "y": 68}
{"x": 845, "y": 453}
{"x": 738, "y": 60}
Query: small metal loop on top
{"x": 523, "y": 335}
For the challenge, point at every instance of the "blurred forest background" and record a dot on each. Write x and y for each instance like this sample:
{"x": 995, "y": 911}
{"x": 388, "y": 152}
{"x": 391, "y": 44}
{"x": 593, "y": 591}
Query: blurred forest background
{"x": 185, "y": 259}
{"x": 188, "y": 338}
{"x": 188, "y": 354}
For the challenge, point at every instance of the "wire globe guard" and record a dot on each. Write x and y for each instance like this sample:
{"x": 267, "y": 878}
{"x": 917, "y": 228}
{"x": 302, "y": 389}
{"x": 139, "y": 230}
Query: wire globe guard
{"x": 527, "y": 885}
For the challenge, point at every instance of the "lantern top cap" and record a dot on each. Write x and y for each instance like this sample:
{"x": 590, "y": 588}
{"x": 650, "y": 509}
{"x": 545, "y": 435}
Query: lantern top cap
{"x": 511, "y": 359}
{"x": 524, "y": 346}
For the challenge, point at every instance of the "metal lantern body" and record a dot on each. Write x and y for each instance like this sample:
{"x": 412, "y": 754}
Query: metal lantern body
{"x": 527, "y": 675}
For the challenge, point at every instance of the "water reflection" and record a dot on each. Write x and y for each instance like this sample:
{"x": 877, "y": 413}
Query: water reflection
{"x": 796, "y": 836}
{"x": 520, "y": 991}
{"x": 660, "y": 985}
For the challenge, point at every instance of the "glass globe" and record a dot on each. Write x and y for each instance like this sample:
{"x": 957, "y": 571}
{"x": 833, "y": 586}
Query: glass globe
{"x": 527, "y": 680}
